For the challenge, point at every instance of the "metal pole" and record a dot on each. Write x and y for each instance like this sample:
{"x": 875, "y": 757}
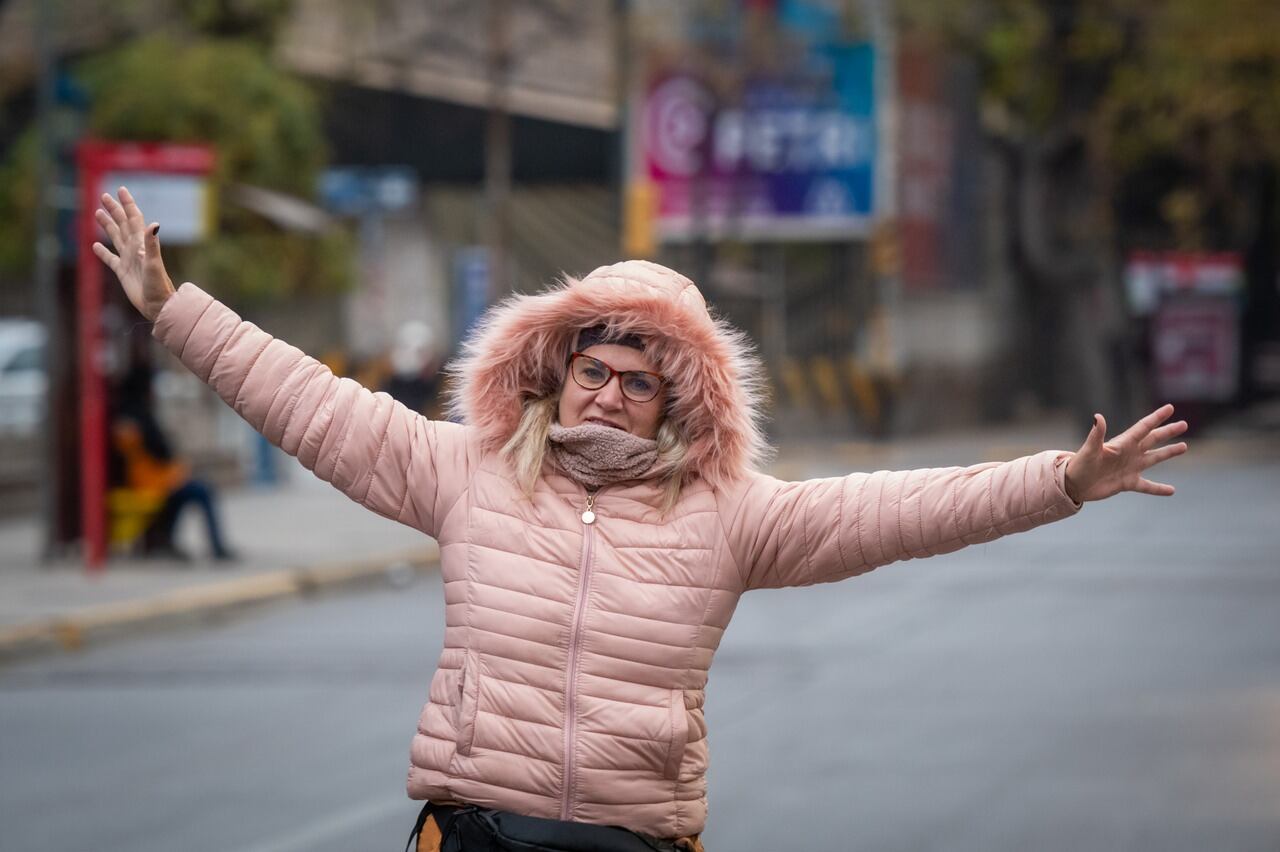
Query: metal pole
{"x": 887, "y": 352}
{"x": 46, "y": 271}
{"x": 621, "y": 96}
{"x": 93, "y": 400}
{"x": 497, "y": 149}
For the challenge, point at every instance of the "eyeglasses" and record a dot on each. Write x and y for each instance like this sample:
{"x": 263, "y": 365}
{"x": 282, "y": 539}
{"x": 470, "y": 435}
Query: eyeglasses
{"x": 593, "y": 374}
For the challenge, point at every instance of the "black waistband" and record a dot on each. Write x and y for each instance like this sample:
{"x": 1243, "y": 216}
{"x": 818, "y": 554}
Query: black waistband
{"x": 484, "y": 828}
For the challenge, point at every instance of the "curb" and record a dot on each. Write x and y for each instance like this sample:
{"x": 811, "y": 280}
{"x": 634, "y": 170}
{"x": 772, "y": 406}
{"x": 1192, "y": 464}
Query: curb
{"x": 93, "y": 624}
{"x": 799, "y": 458}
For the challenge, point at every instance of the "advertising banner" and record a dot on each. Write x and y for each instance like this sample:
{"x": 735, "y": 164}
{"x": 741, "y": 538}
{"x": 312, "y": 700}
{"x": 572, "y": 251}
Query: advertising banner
{"x": 1192, "y": 302}
{"x": 1196, "y": 344}
{"x": 786, "y": 157}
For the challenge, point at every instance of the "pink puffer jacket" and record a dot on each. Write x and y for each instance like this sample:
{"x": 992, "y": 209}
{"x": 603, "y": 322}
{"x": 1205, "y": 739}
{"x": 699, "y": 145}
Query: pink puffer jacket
{"x": 575, "y": 655}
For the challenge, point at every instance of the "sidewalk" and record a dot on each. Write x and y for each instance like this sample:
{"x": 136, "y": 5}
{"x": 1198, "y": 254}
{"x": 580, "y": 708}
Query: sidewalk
{"x": 303, "y": 536}
{"x": 294, "y": 538}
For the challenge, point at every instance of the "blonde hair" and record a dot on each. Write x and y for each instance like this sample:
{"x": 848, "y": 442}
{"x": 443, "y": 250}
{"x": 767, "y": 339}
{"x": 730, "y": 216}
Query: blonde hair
{"x": 526, "y": 449}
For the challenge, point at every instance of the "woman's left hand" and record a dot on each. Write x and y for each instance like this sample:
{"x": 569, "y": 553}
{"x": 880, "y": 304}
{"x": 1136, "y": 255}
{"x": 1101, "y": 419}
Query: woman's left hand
{"x": 1102, "y": 468}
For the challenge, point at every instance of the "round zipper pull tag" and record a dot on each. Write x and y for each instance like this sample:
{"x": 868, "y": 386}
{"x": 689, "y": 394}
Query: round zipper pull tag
{"x": 588, "y": 517}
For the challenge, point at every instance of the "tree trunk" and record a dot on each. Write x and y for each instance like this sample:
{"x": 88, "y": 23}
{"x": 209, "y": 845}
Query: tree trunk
{"x": 1062, "y": 257}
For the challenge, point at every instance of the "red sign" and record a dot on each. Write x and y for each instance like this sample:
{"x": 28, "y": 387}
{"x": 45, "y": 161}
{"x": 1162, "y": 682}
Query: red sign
{"x": 1151, "y": 277}
{"x": 1196, "y": 346}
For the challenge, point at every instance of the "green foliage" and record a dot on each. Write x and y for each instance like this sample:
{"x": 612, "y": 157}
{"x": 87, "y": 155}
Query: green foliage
{"x": 265, "y": 126}
{"x": 264, "y": 123}
{"x": 1203, "y": 81}
{"x": 1194, "y": 84}
{"x": 18, "y": 194}
{"x": 254, "y": 262}
{"x": 1009, "y": 52}
{"x": 256, "y": 20}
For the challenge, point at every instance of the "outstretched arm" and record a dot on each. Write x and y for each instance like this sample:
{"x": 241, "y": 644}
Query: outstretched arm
{"x": 376, "y": 451}
{"x": 798, "y": 533}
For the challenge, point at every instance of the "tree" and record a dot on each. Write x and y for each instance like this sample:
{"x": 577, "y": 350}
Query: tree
{"x": 264, "y": 124}
{"x": 1118, "y": 122}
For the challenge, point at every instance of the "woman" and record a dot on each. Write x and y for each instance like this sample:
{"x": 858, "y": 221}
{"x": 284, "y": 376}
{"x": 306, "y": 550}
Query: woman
{"x": 599, "y": 516}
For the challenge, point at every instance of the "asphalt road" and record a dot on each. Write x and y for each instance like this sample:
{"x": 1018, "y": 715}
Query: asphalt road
{"x": 1108, "y": 683}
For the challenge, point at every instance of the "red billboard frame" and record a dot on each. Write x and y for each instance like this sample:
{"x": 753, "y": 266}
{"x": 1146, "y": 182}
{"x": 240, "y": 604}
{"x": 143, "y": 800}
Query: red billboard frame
{"x": 96, "y": 158}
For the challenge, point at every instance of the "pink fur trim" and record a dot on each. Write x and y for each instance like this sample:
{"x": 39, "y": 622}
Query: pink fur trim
{"x": 519, "y": 350}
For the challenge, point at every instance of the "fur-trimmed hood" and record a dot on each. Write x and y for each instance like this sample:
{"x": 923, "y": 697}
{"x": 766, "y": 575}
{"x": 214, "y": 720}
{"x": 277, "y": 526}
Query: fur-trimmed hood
{"x": 520, "y": 350}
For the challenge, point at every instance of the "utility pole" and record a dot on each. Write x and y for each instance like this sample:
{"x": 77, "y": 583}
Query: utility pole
{"x": 46, "y": 272}
{"x": 497, "y": 147}
{"x": 621, "y": 88}
{"x": 883, "y": 351}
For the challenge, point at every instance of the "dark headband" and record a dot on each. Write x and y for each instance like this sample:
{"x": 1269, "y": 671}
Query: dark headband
{"x": 596, "y": 334}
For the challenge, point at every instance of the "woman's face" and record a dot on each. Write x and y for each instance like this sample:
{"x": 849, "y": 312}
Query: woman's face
{"x": 607, "y": 405}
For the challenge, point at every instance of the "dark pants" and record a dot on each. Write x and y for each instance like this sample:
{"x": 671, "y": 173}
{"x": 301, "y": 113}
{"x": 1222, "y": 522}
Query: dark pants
{"x": 197, "y": 492}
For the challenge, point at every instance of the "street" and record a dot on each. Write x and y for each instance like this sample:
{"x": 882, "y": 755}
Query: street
{"x": 1111, "y": 682}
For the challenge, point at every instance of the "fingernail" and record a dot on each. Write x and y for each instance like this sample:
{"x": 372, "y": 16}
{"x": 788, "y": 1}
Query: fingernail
{"x": 155, "y": 230}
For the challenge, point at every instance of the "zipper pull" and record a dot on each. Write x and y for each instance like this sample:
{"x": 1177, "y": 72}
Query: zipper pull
{"x": 588, "y": 515}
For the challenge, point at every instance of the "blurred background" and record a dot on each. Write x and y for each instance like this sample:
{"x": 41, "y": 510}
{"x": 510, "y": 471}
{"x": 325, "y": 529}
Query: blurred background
{"x": 954, "y": 230}
{"x": 927, "y": 215}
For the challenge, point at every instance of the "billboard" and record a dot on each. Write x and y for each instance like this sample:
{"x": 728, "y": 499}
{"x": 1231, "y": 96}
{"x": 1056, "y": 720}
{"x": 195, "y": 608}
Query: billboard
{"x": 785, "y": 156}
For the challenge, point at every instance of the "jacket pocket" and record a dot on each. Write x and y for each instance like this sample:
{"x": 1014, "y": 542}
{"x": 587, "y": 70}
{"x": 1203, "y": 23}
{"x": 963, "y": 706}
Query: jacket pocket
{"x": 467, "y": 703}
{"x": 679, "y": 736}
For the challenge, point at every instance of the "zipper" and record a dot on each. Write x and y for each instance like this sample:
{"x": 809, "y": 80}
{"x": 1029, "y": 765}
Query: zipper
{"x": 575, "y": 637}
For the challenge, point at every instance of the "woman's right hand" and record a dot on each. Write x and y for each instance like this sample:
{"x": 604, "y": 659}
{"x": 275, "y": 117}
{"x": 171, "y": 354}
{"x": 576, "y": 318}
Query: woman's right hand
{"x": 138, "y": 265}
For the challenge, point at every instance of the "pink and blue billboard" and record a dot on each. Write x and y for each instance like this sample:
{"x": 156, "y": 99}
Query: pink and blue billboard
{"x": 784, "y": 157}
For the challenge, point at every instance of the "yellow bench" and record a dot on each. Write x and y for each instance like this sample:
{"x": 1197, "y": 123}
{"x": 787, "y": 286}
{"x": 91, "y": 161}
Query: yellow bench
{"x": 129, "y": 513}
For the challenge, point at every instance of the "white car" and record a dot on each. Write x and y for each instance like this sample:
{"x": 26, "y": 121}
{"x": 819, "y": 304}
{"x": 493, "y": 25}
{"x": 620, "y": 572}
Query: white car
{"x": 22, "y": 376}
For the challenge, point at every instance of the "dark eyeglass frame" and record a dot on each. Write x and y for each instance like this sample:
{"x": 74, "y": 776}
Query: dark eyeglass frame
{"x": 621, "y": 374}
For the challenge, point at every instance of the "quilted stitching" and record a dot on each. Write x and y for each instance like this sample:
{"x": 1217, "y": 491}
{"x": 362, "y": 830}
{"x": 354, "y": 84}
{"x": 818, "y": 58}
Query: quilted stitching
{"x": 662, "y": 592}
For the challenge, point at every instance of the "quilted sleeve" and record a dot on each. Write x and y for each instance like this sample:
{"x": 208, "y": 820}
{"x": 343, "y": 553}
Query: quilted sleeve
{"x": 377, "y": 452}
{"x": 817, "y": 531}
